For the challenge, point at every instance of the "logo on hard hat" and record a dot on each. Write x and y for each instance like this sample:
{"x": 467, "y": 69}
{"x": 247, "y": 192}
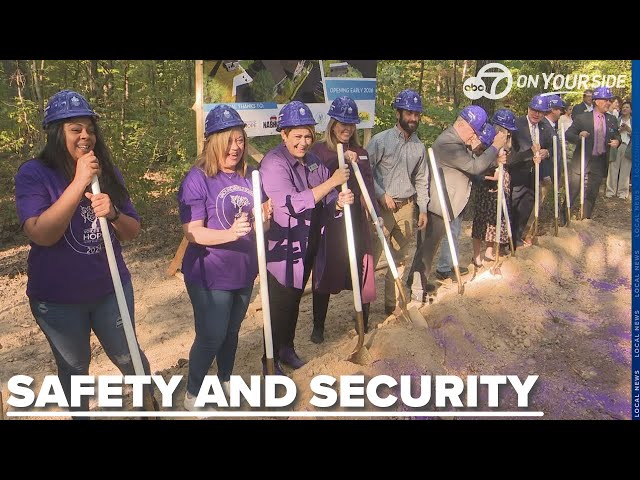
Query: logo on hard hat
{"x": 302, "y": 112}
{"x": 75, "y": 101}
{"x": 475, "y": 87}
{"x": 226, "y": 114}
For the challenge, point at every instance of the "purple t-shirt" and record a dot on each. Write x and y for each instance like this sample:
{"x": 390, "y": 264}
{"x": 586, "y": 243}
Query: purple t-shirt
{"x": 216, "y": 201}
{"x": 75, "y": 269}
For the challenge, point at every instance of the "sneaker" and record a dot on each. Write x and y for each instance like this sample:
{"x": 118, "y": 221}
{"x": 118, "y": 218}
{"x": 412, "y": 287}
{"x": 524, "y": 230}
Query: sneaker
{"x": 190, "y": 404}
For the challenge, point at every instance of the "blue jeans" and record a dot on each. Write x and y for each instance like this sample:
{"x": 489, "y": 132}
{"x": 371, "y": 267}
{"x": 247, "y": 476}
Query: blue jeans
{"x": 445, "y": 262}
{"x": 218, "y": 315}
{"x": 68, "y": 330}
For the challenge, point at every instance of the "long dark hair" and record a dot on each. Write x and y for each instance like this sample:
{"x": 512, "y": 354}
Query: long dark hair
{"x": 56, "y": 155}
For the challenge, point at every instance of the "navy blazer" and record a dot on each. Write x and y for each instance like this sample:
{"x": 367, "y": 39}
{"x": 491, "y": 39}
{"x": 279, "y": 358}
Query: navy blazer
{"x": 520, "y": 161}
{"x": 584, "y": 122}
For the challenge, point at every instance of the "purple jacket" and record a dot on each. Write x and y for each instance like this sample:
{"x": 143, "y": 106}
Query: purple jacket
{"x": 336, "y": 276}
{"x": 288, "y": 184}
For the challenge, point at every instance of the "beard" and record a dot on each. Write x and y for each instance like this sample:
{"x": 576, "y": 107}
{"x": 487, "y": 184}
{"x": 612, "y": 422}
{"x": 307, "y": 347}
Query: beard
{"x": 409, "y": 127}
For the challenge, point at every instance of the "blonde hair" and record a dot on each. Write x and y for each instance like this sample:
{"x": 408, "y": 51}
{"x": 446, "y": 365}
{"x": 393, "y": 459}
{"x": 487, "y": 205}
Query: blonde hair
{"x": 215, "y": 150}
{"x": 311, "y": 128}
{"x": 330, "y": 139}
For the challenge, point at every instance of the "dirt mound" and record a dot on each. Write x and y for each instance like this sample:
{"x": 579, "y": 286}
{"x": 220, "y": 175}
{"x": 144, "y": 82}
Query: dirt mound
{"x": 560, "y": 310}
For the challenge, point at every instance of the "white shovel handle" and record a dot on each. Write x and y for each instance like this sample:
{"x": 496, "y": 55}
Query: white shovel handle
{"x": 351, "y": 246}
{"x": 499, "y": 202}
{"x": 262, "y": 264}
{"x": 374, "y": 216}
{"x": 565, "y": 168}
{"x": 582, "y": 169}
{"x": 555, "y": 176}
{"x": 132, "y": 343}
{"x": 443, "y": 206}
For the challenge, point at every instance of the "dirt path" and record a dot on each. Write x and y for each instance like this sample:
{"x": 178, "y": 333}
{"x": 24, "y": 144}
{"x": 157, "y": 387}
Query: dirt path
{"x": 561, "y": 310}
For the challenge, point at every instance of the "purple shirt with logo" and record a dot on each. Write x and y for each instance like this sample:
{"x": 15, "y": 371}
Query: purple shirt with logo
{"x": 216, "y": 201}
{"x": 75, "y": 269}
{"x": 288, "y": 184}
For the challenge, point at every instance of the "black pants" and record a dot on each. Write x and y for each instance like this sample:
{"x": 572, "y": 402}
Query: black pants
{"x": 591, "y": 189}
{"x": 284, "y": 302}
{"x": 426, "y": 252}
{"x": 321, "y": 305}
{"x": 522, "y": 203}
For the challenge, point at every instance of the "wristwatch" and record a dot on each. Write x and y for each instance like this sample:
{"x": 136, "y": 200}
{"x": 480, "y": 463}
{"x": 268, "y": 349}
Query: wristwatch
{"x": 115, "y": 218}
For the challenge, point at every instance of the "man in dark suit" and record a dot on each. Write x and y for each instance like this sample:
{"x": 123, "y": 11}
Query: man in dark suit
{"x": 457, "y": 166}
{"x": 530, "y": 146}
{"x": 556, "y": 108}
{"x": 600, "y": 130}
{"x": 585, "y": 106}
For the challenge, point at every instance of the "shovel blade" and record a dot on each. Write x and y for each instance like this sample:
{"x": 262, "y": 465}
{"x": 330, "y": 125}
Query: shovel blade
{"x": 360, "y": 354}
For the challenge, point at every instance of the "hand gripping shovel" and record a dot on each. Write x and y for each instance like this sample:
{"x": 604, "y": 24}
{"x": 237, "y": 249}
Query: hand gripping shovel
{"x": 495, "y": 270}
{"x": 360, "y": 355}
{"x": 149, "y": 403}
{"x": 411, "y": 314}
{"x": 444, "y": 206}
{"x": 262, "y": 267}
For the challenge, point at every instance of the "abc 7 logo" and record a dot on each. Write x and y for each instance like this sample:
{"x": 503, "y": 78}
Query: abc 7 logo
{"x": 475, "y": 87}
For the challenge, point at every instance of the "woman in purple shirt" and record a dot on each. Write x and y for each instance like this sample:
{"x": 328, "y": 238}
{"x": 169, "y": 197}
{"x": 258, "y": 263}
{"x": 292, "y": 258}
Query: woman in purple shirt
{"x": 70, "y": 288}
{"x": 220, "y": 264}
{"x": 336, "y": 276}
{"x": 303, "y": 196}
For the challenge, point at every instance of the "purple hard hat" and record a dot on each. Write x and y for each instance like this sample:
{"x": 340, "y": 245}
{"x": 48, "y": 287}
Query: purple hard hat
{"x": 67, "y": 104}
{"x": 540, "y": 103}
{"x": 505, "y": 118}
{"x": 602, "y": 93}
{"x": 475, "y": 116}
{"x": 408, "y": 100}
{"x": 295, "y": 114}
{"x": 556, "y": 102}
{"x": 487, "y": 135}
{"x": 345, "y": 110}
{"x": 220, "y": 118}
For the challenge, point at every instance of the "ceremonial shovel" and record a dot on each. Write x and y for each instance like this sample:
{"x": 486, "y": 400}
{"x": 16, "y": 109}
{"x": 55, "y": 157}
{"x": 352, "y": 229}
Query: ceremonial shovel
{"x": 407, "y": 314}
{"x": 149, "y": 403}
{"x": 262, "y": 267}
{"x": 360, "y": 355}
{"x": 445, "y": 215}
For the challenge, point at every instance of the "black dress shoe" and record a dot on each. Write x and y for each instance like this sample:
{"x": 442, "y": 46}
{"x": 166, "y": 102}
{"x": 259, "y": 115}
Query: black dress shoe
{"x": 445, "y": 275}
{"x": 317, "y": 336}
{"x": 288, "y": 356}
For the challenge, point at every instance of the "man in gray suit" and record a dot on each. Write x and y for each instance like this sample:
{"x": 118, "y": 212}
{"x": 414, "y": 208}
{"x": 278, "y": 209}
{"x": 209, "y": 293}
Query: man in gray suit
{"x": 457, "y": 166}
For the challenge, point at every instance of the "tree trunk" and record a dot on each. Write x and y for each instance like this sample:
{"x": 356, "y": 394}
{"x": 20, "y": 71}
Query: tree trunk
{"x": 123, "y": 108}
{"x": 92, "y": 74}
{"x": 438, "y": 85}
{"x": 447, "y": 84}
{"x": 464, "y": 72}
{"x": 37, "y": 77}
{"x": 421, "y": 77}
{"x": 488, "y": 105}
{"x": 456, "y": 99}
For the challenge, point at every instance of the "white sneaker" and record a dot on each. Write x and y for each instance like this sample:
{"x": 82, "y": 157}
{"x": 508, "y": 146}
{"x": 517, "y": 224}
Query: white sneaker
{"x": 190, "y": 401}
{"x": 226, "y": 387}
